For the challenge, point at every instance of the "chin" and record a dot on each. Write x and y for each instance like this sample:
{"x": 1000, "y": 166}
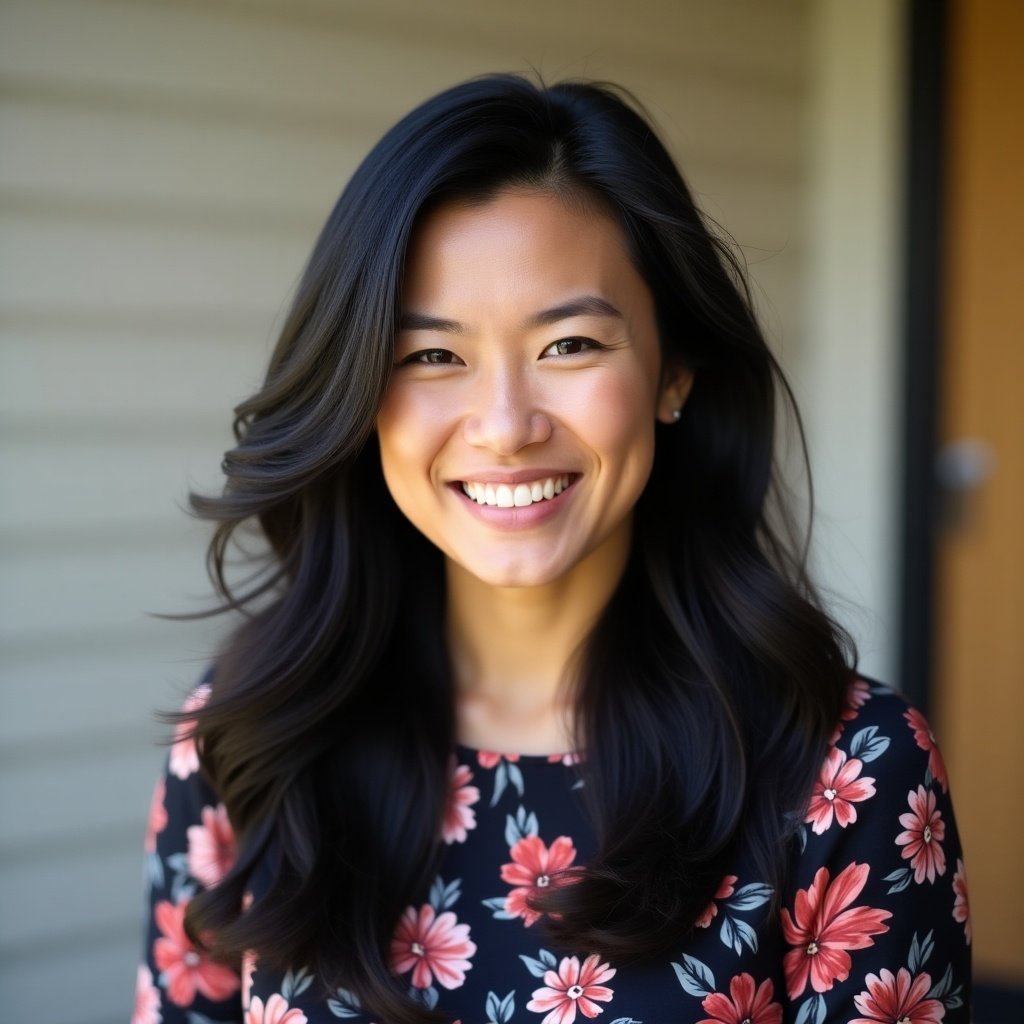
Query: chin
{"x": 517, "y": 575}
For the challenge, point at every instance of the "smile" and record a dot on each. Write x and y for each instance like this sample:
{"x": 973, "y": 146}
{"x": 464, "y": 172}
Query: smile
{"x": 517, "y": 496}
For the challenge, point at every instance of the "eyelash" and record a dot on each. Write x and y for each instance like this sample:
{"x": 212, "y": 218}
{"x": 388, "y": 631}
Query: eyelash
{"x": 421, "y": 356}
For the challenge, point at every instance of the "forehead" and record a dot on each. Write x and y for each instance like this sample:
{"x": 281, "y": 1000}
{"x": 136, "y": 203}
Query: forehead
{"x": 518, "y": 249}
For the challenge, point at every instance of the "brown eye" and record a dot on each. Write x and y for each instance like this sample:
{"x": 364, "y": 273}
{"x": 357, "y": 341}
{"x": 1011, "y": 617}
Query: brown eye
{"x": 431, "y": 356}
{"x": 570, "y": 346}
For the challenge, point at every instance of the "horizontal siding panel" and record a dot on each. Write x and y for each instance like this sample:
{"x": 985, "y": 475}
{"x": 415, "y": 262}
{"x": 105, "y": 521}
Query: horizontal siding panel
{"x": 135, "y": 158}
{"x": 122, "y": 478}
{"x": 65, "y": 374}
{"x": 88, "y": 980}
{"x": 99, "y": 889}
{"x": 95, "y": 264}
{"x": 279, "y": 70}
{"x": 206, "y": 49}
{"x": 46, "y": 593}
{"x": 57, "y": 696}
{"x": 271, "y": 174}
{"x": 729, "y": 38}
{"x": 53, "y": 799}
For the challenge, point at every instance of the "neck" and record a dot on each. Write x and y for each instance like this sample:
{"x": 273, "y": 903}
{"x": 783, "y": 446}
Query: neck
{"x": 512, "y": 650}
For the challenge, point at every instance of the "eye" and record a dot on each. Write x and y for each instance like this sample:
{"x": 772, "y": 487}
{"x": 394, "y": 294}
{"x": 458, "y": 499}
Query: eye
{"x": 432, "y": 357}
{"x": 570, "y": 346}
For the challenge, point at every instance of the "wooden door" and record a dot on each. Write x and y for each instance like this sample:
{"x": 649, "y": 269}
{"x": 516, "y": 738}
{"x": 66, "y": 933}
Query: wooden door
{"x": 979, "y": 634}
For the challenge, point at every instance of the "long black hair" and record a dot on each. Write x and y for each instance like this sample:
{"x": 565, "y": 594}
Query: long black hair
{"x": 704, "y": 696}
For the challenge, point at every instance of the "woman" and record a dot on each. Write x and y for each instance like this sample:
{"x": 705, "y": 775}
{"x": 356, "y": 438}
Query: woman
{"x": 534, "y": 713}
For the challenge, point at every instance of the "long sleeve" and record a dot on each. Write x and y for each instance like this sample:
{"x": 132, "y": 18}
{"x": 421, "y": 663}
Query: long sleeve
{"x": 189, "y": 845}
{"x": 875, "y": 918}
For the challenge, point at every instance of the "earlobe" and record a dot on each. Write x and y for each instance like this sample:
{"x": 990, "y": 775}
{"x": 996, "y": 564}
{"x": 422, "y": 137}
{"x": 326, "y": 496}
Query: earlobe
{"x": 674, "y": 394}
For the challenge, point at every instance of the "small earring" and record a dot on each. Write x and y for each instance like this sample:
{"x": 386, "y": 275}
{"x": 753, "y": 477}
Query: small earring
{"x": 677, "y": 414}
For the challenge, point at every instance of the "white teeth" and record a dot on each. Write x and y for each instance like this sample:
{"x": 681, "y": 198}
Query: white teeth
{"x": 519, "y": 496}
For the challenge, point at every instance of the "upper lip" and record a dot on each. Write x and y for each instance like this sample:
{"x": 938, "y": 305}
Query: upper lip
{"x": 511, "y": 477}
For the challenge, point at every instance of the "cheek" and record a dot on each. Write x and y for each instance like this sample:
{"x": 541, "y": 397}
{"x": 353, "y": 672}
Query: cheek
{"x": 410, "y": 428}
{"x": 619, "y": 412}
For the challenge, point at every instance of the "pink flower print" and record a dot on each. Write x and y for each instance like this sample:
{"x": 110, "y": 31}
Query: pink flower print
{"x": 573, "y": 987}
{"x": 922, "y": 840}
{"x": 157, "y": 816}
{"x": 459, "y": 817}
{"x": 857, "y": 695}
{"x": 838, "y": 788}
{"x": 275, "y": 1012}
{"x": 925, "y": 739}
{"x": 184, "y": 758}
{"x": 147, "y": 998}
{"x": 432, "y": 947}
{"x": 211, "y": 846}
{"x": 488, "y": 759}
{"x": 725, "y": 889}
{"x": 535, "y": 868}
{"x": 248, "y": 970}
{"x": 961, "y": 906}
{"x": 567, "y": 759}
{"x": 896, "y": 999}
{"x": 824, "y": 926}
{"x": 749, "y": 1004}
{"x": 184, "y": 969}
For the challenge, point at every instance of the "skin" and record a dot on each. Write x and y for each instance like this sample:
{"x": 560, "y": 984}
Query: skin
{"x": 481, "y": 390}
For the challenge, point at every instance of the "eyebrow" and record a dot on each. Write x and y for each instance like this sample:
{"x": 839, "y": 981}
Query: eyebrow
{"x": 584, "y": 305}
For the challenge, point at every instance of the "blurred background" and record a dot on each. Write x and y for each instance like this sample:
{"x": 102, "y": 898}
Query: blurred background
{"x": 164, "y": 169}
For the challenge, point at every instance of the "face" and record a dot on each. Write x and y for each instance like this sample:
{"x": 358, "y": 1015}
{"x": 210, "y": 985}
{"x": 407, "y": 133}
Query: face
{"x": 517, "y": 432}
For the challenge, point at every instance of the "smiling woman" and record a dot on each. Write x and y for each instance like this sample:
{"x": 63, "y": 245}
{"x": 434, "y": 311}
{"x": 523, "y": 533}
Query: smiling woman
{"x": 535, "y": 713}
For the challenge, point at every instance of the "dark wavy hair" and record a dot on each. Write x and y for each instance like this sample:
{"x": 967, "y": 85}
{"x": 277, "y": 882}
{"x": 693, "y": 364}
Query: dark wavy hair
{"x": 706, "y": 693}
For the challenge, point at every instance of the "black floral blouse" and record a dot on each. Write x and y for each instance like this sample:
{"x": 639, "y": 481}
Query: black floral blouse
{"x": 874, "y": 922}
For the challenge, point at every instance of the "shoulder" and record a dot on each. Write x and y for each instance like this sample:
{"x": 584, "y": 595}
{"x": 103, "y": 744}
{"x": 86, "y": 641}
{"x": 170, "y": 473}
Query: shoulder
{"x": 878, "y": 869}
{"x": 881, "y": 727}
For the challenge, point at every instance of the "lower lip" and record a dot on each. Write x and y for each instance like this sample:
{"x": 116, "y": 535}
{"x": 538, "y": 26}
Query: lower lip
{"x": 521, "y": 518}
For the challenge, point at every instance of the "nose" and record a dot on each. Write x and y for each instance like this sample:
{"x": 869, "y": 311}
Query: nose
{"x": 505, "y": 416}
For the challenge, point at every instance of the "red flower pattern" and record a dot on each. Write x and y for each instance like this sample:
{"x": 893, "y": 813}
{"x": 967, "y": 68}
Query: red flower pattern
{"x": 184, "y": 969}
{"x": 432, "y": 947}
{"x": 157, "y": 816}
{"x": 925, "y": 739}
{"x": 211, "y": 846}
{"x": 725, "y": 889}
{"x": 823, "y": 927}
{"x": 567, "y": 759}
{"x": 459, "y": 818}
{"x": 961, "y": 905}
{"x": 573, "y": 987}
{"x": 488, "y": 759}
{"x": 897, "y": 999}
{"x": 147, "y": 998}
{"x": 276, "y": 1011}
{"x": 184, "y": 757}
{"x": 534, "y": 868}
{"x": 922, "y": 840}
{"x": 248, "y": 970}
{"x": 837, "y": 914}
{"x": 747, "y": 1003}
{"x": 838, "y": 788}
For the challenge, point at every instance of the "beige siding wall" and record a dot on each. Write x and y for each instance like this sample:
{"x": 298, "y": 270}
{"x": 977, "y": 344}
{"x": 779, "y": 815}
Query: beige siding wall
{"x": 164, "y": 168}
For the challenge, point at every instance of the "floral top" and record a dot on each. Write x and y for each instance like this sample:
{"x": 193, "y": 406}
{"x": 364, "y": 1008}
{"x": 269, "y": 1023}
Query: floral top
{"x": 873, "y": 924}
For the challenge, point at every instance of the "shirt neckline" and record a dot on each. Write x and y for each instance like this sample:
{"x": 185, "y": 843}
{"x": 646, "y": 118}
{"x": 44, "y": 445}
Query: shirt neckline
{"x": 473, "y": 754}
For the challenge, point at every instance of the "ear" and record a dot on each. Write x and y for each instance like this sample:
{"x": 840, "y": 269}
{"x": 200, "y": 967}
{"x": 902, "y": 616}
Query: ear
{"x": 675, "y": 389}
